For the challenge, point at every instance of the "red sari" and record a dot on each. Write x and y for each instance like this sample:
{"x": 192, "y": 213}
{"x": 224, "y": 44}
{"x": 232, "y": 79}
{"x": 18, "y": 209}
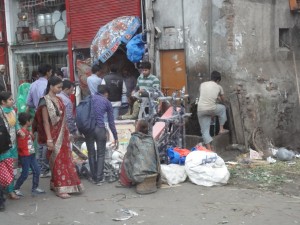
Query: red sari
{"x": 64, "y": 176}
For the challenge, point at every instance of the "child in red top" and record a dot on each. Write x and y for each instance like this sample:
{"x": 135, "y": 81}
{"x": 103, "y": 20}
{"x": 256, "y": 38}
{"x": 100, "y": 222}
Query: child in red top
{"x": 27, "y": 156}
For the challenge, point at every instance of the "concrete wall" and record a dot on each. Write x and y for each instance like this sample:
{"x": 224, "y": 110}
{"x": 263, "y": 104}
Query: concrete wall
{"x": 171, "y": 16}
{"x": 245, "y": 47}
{"x": 240, "y": 38}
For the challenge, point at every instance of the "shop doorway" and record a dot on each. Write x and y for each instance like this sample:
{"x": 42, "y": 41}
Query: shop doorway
{"x": 173, "y": 70}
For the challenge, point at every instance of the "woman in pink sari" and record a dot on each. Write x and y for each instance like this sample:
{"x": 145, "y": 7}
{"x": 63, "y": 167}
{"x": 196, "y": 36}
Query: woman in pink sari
{"x": 52, "y": 130}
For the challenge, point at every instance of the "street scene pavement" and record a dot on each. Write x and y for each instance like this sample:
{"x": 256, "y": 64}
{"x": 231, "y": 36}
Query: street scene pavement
{"x": 184, "y": 204}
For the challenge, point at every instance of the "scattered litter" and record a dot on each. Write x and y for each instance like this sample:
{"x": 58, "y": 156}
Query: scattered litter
{"x": 291, "y": 163}
{"x": 297, "y": 156}
{"x": 127, "y": 214}
{"x": 231, "y": 163}
{"x": 271, "y": 160}
{"x": 142, "y": 221}
{"x": 76, "y": 221}
{"x": 223, "y": 222}
{"x": 255, "y": 154}
{"x": 285, "y": 155}
{"x": 21, "y": 214}
{"x": 274, "y": 151}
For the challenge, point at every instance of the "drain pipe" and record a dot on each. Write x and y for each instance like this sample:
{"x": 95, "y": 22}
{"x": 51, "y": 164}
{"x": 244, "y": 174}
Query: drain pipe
{"x": 184, "y": 44}
{"x": 142, "y": 15}
{"x": 210, "y": 36}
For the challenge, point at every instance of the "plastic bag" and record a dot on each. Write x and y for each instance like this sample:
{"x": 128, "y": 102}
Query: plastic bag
{"x": 173, "y": 174}
{"x": 175, "y": 157}
{"x": 206, "y": 168}
{"x": 135, "y": 48}
{"x": 285, "y": 155}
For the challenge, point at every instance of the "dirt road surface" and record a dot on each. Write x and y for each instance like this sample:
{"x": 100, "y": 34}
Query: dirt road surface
{"x": 186, "y": 204}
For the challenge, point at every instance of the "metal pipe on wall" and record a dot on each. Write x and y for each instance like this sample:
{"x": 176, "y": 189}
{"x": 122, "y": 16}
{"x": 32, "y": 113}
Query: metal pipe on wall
{"x": 184, "y": 43}
{"x": 210, "y": 36}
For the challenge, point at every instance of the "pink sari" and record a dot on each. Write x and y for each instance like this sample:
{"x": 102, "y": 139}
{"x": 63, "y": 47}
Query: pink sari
{"x": 64, "y": 176}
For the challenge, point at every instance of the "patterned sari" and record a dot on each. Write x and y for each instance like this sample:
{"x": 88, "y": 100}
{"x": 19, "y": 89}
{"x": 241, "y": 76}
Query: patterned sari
{"x": 64, "y": 177}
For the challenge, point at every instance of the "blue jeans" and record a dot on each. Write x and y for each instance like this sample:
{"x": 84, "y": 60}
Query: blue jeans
{"x": 204, "y": 118}
{"x": 96, "y": 157}
{"x": 29, "y": 162}
{"x": 116, "y": 112}
{"x": 42, "y": 158}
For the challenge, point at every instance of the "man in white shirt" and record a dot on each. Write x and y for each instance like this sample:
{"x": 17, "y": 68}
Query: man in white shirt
{"x": 94, "y": 80}
{"x": 210, "y": 91}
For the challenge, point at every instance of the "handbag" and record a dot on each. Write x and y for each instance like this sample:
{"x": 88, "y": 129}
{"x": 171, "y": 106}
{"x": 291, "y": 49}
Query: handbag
{"x": 6, "y": 172}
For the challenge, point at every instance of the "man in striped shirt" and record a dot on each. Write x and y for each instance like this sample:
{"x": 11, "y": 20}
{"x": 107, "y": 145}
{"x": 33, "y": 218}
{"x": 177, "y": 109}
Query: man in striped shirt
{"x": 147, "y": 80}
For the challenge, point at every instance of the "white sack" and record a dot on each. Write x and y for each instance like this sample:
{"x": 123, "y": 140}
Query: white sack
{"x": 206, "y": 168}
{"x": 173, "y": 174}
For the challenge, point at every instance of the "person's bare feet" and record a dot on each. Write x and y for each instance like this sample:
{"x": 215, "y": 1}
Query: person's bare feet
{"x": 224, "y": 131}
{"x": 13, "y": 196}
{"x": 63, "y": 195}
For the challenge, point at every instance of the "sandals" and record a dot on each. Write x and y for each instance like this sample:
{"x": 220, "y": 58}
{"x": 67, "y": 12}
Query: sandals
{"x": 63, "y": 195}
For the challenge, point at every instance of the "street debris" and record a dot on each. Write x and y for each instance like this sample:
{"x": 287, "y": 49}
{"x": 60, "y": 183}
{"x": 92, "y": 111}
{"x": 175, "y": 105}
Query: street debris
{"x": 284, "y": 154}
{"x": 271, "y": 160}
{"x": 126, "y": 214}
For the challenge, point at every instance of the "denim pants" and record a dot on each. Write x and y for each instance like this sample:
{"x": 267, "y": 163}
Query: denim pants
{"x": 29, "y": 162}
{"x": 42, "y": 158}
{"x": 116, "y": 111}
{"x": 96, "y": 157}
{"x": 204, "y": 118}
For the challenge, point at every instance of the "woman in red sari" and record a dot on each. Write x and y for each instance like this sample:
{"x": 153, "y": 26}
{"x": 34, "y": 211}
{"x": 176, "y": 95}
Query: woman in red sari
{"x": 52, "y": 130}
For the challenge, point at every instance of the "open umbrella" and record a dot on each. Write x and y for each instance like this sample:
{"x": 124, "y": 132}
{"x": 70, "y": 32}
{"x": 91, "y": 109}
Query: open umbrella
{"x": 110, "y": 36}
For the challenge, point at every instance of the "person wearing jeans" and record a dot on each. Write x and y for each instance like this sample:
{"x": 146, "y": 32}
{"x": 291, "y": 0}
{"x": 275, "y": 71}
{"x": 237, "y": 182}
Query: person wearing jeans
{"x": 96, "y": 157}
{"x": 210, "y": 92}
{"x": 27, "y": 156}
{"x": 101, "y": 106}
{"x": 36, "y": 91}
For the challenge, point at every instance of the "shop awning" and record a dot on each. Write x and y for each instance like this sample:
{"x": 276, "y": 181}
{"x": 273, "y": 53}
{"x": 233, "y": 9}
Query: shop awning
{"x": 39, "y": 47}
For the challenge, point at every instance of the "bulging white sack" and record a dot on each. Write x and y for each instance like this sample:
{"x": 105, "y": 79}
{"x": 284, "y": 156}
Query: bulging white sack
{"x": 206, "y": 168}
{"x": 173, "y": 174}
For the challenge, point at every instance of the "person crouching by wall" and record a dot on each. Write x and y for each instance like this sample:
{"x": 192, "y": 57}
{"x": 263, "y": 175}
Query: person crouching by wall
{"x": 133, "y": 110}
{"x": 141, "y": 158}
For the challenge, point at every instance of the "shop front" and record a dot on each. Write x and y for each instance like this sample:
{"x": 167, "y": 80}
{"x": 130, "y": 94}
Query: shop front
{"x": 36, "y": 34}
{"x": 84, "y": 23}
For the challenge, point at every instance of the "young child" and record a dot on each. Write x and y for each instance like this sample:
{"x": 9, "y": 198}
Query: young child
{"x": 27, "y": 157}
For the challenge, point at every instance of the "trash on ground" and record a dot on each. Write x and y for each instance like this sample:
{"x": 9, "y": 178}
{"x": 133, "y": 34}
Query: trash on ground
{"x": 255, "y": 155}
{"x": 126, "y": 214}
{"x": 231, "y": 163}
{"x": 206, "y": 168}
{"x": 284, "y": 154}
{"x": 173, "y": 174}
{"x": 271, "y": 160}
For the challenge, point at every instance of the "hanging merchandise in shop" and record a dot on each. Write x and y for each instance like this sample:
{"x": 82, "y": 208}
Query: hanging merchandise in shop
{"x": 110, "y": 36}
{"x": 41, "y": 21}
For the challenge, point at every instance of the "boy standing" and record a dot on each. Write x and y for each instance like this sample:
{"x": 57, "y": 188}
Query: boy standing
{"x": 27, "y": 156}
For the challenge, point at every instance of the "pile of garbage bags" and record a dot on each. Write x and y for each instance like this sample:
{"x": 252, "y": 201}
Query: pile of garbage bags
{"x": 201, "y": 166}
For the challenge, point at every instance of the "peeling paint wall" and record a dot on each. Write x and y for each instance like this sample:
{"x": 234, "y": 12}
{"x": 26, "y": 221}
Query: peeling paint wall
{"x": 184, "y": 28}
{"x": 252, "y": 60}
{"x": 243, "y": 40}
